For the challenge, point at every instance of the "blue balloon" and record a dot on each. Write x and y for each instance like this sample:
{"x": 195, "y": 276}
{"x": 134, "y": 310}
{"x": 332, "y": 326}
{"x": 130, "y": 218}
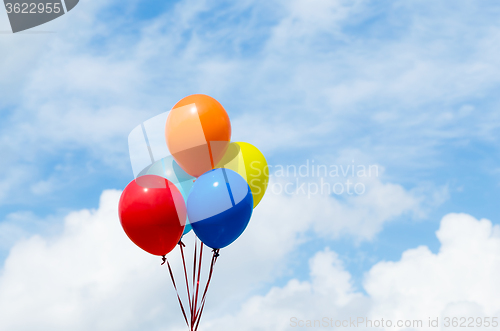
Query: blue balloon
{"x": 219, "y": 207}
{"x": 187, "y": 228}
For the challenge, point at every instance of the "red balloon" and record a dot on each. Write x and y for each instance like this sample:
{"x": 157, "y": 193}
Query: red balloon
{"x": 153, "y": 214}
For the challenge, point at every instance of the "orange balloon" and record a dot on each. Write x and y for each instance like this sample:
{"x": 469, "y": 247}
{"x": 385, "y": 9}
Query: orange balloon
{"x": 198, "y": 132}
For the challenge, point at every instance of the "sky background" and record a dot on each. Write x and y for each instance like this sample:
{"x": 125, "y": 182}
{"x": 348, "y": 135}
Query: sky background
{"x": 410, "y": 86}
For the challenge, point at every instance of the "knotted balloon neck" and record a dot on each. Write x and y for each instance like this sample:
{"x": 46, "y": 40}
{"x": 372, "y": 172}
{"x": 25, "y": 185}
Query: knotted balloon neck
{"x": 164, "y": 259}
{"x": 181, "y": 243}
{"x": 216, "y": 252}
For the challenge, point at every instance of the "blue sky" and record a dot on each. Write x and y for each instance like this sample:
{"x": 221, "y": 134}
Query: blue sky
{"x": 412, "y": 86}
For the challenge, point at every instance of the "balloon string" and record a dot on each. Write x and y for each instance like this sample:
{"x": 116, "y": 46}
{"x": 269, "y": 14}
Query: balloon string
{"x": 212, "y": 265}
{"x": 198, "y": 313}
{"x": 195, "y": 311}
{"x": 181, "y": 245}
{"x": 203, "y": 300}
{"x": 176, "y": 291}
{"x": 193, "y": 303}
{"x": 199, "y": 276}
{"x": 208, "y": 282}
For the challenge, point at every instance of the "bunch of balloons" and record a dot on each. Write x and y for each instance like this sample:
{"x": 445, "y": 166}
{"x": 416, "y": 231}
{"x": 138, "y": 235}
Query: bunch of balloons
{"x": 189, "y": 175}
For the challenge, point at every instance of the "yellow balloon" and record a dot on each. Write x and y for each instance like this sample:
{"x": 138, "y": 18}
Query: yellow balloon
{"x": 250, "y": 163}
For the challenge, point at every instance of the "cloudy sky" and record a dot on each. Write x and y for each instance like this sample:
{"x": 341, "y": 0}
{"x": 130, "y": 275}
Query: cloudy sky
{"x": 410, "y": 87}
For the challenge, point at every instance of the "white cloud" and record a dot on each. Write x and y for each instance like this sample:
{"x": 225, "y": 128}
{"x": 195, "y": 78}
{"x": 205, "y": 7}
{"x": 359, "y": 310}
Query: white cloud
{"x": 459, "y": 280}
{"x": 87, "y": 277}
{"x": 422, "y": 283}
{"x": 329, "y": 292}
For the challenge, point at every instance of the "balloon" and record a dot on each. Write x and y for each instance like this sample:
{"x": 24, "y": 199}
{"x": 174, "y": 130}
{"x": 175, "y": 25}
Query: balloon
{"x": 169, "y": 169}
{"x": 249, "y": 163}
{"x": 219, "y": 207}
{"x": 197, "y": 132}
{"x": 153, "y": 214}
{"x": 187, "y": 229}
